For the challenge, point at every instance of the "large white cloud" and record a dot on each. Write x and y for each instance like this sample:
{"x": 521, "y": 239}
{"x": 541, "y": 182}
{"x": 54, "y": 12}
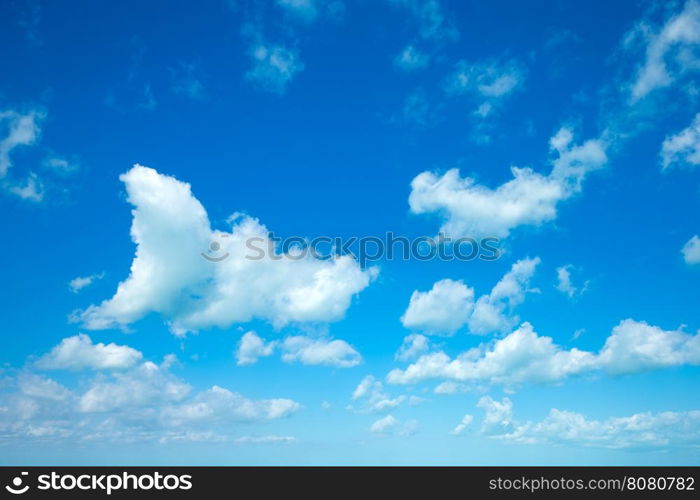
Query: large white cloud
{"x": 79, "y": 352}
{"x": 171, "y": 276}
{"x": 670, "y": 52}
{"x": 525, "y": 357}
{"x": 642, "y": 430}
{"x": 682, "y": 148}
{"x": 530, "y": 198}
{"x": 449, "y": 305}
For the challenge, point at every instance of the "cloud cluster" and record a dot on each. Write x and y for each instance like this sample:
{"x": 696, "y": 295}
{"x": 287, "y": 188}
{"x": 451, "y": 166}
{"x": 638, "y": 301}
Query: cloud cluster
{"x": 524, "y": 357}
{"x": 273, "y": 66}
{"x": 449, "y": 305}
{"x": 171, "y": 276}
{"x": 565, "y": 284}
{"x": 122, "y": 398}
{"x": 529, "y": 199}
{"x": 639, "y": 431}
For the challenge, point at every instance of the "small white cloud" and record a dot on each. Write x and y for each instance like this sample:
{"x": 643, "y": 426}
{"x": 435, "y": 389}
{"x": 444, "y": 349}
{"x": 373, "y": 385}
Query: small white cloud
{"x": 462, "y": 425}
{"x": 274, "y": 67}
{"x": 30, "y": 189}
{"x": 444, "y": 309}
{"x": 22, "y": 130}
{"x": 79, "y": 353}
{"x": 410, "y": 58}
{"x": 565, "y": 285}
{"x": 691, "y": 250}
{"x": 682, "y": 148}
{"x": 320, "y": 351}
{"x": 77, "y": 284}
{"x": 375, "y": 399}
{"x": 384, "y": 425}
{"x": 251, "y": 347}
{"x": 266, "y": 440}
{"x": 61, "y": 165}
{"x": 412, "y": 345}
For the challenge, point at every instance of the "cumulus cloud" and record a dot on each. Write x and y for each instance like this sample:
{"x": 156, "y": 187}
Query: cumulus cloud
{"x": 319, "y": 351}
{"x": 529, "y": 199}
{"x": 274, "y": 67}
{"x": 299, "y": 349}
{"x": 682, "y": 148}
{"x": 670, "y": 51}
{"x": 412, "y": 346}
{"x": 445, "y": 308}
{"x": 641, "y": 431}
{"x": 491, "y": 79}
{"x": 79, "y": 353}
{"x": 691, "y": 250}
{"x": 524, "y": 357}
{"x": 171, "y": 274}
{"x": 462, "y": 425}
{"x": 77, "y": 284}
{"x": 370, "y": 392}
{"x": 565, "y": 284}
{"x": 251, "y": 347}
{"x": 450, "y": 305}
{"x": 384, "y": 424}
{"x": 145, "y": 402}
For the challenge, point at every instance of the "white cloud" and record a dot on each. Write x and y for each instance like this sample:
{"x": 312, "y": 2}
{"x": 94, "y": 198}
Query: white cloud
{"x": 371, "y": 392}
{"x": 433, "y": 24}
{"x": 22, "y": 130}
{"x": 664, "y": 430}
{"x": 79, "y": 353}
{"x": 270, "y": 439}
{"x": 525, "y": 357}
{"x": 682, "y": 148}
{"x": 498, "y": 415}
{"x": 77, "y": 284}
{"x": 450, "y": 305}
{"x": 173, "y": 274}
{"x": 320, "y": 351}
{"x": 488, "y": 82}
{"x": 307, "y": 10}
{"x": 445, "y": 308}
{"x": 299, "y": 348}
{"x": 60, "y": 165}
{"x": 411, "y": 58}
{"x": 462, "y": 425}
{"x": 691, "y": 250}
{"x": 565, "y": 285}
{"x": 274, "y": 66}
{"x": 251, "y": 347}
{"x": 412, "y": 345}
{"x": 530, "y": 198}
{"x": 140, "y": 404}
{"x": 30, "y": 189}
{"x": 384, "y": 424}
{"x": 670, "y": 52}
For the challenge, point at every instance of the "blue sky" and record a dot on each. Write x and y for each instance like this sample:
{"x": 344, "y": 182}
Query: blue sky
{"x": 132, "y": 135}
